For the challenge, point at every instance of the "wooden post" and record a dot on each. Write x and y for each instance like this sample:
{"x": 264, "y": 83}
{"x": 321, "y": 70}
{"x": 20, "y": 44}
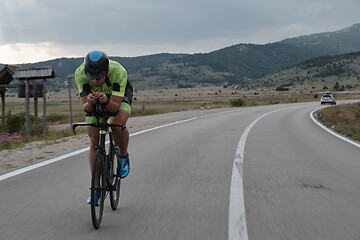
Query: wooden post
{"x": 44, "y": 128}
{"x": 34, "y": 93}
{"x": 27, "y": 108}
{"x": 36, "y": 109}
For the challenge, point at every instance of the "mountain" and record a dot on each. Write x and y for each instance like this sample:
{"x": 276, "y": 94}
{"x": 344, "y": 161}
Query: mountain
{"x": 238, "y": 64}
{"x": 230, "y": 65}
{"x": 329, "y": 43}
{"x": 66, "y": 66}
{"x": 334, "y": 73}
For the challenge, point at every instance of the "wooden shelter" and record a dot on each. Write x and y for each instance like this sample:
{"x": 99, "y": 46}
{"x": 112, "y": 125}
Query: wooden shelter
{"x": 31, "y": 88}
{"x": 6, "y": 76}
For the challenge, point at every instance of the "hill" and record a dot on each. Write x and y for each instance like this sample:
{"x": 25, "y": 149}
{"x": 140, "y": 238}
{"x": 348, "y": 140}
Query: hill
{"x": 67, "y": 66}
{"x": 329, "y": 43}
{"x": 243, "y": 62}
{"x": 235, "y": 65}
{"x": 334, "y": 73}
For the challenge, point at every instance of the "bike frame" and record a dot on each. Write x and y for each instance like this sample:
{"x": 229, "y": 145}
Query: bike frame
{"x": 104, "y": 129}
{"x": 109, "y": 184}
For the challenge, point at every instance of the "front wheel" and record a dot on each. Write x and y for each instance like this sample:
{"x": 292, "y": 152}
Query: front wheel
{"x": 115, "y": 180}
{"x": 98, "y": 182}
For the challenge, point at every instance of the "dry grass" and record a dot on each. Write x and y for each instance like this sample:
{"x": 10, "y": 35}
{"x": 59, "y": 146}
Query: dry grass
{"x": 49, "y": 137}
{"x": 149, "y": 102}
{"x": 344, "y": 119}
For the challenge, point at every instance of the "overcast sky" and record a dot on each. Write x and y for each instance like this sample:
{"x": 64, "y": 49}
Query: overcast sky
{"x": 39, "y": 30}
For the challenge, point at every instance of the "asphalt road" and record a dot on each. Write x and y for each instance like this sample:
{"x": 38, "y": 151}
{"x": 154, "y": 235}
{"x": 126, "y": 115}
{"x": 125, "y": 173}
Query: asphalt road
{"x": 300, "y": 182}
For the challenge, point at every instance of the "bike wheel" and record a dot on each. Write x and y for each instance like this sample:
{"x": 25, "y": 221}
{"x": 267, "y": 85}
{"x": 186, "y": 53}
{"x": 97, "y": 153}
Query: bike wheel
{"x": 98, "y": 169}
{"x": 115, "y": 180}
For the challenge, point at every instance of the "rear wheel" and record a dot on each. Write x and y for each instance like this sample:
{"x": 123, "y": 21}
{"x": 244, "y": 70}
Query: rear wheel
{"x": 115, "y": 180}
{"x": 98, "y": 171}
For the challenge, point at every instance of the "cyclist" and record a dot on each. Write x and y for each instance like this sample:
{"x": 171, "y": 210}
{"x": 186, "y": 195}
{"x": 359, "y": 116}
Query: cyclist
{"x": 104, "y": 80}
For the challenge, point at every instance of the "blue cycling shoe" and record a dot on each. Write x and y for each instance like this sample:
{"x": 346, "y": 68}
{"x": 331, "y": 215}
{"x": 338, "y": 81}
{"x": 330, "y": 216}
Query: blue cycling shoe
{"x": 124, "y": 166}
{"x": 97, "y": 197}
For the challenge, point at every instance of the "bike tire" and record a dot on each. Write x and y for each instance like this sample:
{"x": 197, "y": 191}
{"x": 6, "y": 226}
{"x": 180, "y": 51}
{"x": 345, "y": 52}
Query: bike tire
{"x": 97, "y": 211}
{"x": 114, "y": 178}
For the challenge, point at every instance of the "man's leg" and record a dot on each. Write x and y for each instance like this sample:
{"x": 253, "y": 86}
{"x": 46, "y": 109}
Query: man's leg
{"x": 93, "y": 134}
{"x": 122, "y": 140}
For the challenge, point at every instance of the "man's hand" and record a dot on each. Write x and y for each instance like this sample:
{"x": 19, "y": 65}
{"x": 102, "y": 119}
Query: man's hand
{"x": 102, "y": 97}
{"x": 92, "y": 98}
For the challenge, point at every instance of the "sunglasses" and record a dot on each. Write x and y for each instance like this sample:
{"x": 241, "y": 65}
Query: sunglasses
{"x": 96, "y": 76}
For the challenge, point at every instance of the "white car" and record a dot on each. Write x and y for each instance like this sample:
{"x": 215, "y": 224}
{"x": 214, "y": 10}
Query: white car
{"x": 328, "y": 98}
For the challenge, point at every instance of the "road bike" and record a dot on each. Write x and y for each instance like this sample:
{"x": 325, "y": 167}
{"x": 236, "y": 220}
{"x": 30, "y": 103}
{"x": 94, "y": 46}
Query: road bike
{"x": 105, "y": 165}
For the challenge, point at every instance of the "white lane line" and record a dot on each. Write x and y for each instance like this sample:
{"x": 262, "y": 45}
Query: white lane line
{"x": 331, "y": 131}
{"x": 237, "y": 218}
{"x": 40, "y": 164}
{"x": 162, "y": 126}
{"x": 56, "y": 159}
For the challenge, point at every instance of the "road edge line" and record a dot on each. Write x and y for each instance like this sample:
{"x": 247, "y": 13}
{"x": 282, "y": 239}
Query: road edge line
{"x": 40, "y": 164}
{"x": 331, "y": 131}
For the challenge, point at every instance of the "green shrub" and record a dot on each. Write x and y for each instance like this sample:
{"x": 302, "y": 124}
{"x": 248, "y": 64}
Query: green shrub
{"x": 184, "y": 85}
{"x": 55, "y": 117}
{"x": 282, "y": 89}
{"x": 5, "y": 145}
{"x": 15, "y": 122}
{"x": 237, "y": 102}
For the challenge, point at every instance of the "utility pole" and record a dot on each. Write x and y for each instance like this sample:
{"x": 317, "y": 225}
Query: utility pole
{"x": 27, "y": 108}
{"x": 68, "y": 84}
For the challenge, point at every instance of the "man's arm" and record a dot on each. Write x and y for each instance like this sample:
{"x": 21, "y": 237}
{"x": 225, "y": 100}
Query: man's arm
{"x": 88, "y": 101}
{"x": 111, "y": 105}
{"x": 114, "y": 103}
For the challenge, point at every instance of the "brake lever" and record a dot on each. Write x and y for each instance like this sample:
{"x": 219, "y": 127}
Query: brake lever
{"x": 75, "y": 125}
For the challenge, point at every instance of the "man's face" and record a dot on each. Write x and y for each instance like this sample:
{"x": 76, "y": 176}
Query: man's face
{"x": 99, "y": 82}
{"x": 97, "y": 78}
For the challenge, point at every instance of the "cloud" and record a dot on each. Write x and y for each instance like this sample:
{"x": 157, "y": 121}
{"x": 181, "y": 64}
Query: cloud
{"x": 163, "y": 24}
{"x": 158, "y": 21}
{"x": 17, "y": 53}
